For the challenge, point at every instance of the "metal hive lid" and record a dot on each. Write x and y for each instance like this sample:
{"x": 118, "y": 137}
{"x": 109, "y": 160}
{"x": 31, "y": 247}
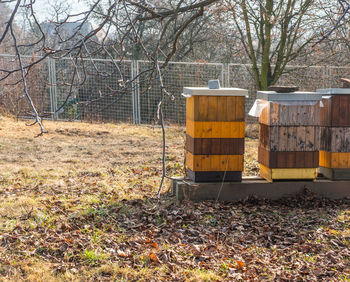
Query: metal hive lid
{"x": 334, "y": 91}
{"x": 205, "y": 91}
{"x": 293, "y": 96}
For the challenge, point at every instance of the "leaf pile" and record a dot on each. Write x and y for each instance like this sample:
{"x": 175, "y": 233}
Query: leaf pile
{"x": 296, "y": 238}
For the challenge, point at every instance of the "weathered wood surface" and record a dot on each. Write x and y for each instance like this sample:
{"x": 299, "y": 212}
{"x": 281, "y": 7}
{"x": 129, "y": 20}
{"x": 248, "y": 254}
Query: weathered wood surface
{"x": 288, "y": 159}
{"x": 271, "y": 174}
{"x": 214, "y": 162}
{"x": 335, "y": 139}
{"x": 214, "y": 176}
{"x": 290, "y": 115}
{"x": 214, "y": 146}
{"x": 334, "y": 160}
{"x": 215, "y": 129}
{"x": 289, "y": 138}
{"x": 336, "y": 111}
{"x": 215, "y": 108}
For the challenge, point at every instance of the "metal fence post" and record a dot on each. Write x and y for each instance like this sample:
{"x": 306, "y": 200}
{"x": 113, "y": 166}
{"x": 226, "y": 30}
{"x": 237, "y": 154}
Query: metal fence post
{"x": 52, "y": 87}
{"x": 138, "y": 93}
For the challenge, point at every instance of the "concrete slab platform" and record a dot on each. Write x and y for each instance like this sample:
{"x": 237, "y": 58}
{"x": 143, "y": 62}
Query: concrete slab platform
{"x": 256, "y": 186}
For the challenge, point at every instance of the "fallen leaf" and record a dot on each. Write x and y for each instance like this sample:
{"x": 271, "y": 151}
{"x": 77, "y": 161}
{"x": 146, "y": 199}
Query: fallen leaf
{"x": 154, "y": 258}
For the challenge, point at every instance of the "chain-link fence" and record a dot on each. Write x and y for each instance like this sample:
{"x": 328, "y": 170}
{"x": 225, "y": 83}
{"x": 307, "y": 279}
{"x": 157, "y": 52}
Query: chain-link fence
{"x": 98, "y": 90}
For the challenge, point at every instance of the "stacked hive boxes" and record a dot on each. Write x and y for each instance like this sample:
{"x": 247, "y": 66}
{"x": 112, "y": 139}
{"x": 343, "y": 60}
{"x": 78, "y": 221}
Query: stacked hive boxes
{"x": 335, "y": 134}
{"x": 289, "y": 135}
{"x": 215, "y": 130}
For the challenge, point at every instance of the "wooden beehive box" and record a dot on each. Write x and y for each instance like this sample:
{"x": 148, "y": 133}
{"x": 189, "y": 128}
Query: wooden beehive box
{"x": 215, "y": 129}
{"x": 289, "y": 135}
{"x": 335, "y": 134}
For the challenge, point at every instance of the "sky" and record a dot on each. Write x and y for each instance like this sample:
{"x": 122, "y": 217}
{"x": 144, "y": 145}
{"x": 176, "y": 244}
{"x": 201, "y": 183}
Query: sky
{"x": 42, "y": 7}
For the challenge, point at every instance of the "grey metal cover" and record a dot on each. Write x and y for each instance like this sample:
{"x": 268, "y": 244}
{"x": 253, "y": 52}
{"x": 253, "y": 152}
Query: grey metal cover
{"x": 294, "y": 96}
{"x": 334, "y": 91}
{"x": 205, "y": 91}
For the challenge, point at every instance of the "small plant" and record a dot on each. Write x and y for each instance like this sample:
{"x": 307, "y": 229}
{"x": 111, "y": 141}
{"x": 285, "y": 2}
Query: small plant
{"x": 92, "y": 257}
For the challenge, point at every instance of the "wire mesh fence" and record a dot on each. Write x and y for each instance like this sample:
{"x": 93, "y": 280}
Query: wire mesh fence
{"x": 175, "y": 77}
{"x": 97, "y": 90}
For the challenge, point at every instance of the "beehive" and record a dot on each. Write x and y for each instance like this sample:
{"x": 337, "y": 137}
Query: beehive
{"x": 335, "y": 134}
{"x": 215, "y": 130}
{"x": 289, "y": 135}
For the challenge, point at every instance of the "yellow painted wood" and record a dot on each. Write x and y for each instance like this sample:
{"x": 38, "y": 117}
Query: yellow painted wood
{"x": 190, "y": 108}
{"x": 231, "y": 108}
{"x": 334, "y": 160}
{"x": 271, "y": 174}
{"x": 215, "y": 108}
{"x": 201, "y": 108}
{"x": 215, "y": 129}
{"x": 240, "y": 108}
{"x": 214, "y": 162}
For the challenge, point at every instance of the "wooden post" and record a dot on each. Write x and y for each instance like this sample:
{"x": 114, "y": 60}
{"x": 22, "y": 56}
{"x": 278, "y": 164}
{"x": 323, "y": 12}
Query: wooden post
{"x": 215, "y": 130}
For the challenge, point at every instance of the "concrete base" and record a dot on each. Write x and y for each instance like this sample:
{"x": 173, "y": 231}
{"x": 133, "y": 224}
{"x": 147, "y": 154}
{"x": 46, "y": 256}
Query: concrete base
{"x": 255, "y": 186}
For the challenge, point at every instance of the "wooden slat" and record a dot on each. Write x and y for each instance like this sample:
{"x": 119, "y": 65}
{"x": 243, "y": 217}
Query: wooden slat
{"x": 231, "y": 108}
{"x": 213, "y": 108}
{"x": 190, "y": 108}
{"x": 212, "y": 129}
{"x": 240, "y": 108}
{"x": 222, "y": 109}
{"x": 343, "y": 110}
{"x": 201, "y": 108}
{"x": 214, "y": 146}
{"x": 214, "y": 162}
{"x": 335, "y": 110}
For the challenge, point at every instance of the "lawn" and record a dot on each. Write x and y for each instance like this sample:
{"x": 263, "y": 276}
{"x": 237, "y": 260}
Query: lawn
{"x": 79, "y": 204}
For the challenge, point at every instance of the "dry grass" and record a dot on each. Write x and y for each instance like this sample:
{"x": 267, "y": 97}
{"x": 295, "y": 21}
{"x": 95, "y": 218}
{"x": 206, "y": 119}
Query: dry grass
{"x": 78, "y": 204}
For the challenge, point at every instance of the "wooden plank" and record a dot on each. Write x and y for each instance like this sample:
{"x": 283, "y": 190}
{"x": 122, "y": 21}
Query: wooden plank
{"x": 282, "y": 138}
{"x": 271, "y": 174}
{"x": 335, "y": 110}
{"x": 343, "y": 110}
{"x": 222, "y": 108}
{"x": 240, "y": 108}
{"x": 290, "y": 162}
{"x": 231, "y": 108}
{"x": 190, "y": 108}
{"x": 300, "y": 142}
{"x": 202, "y": 108}
{"x": 274, "y": 114}
{"x": 311, "y": 143}
{"x": 214, "y": 162}
{"x": 214, "y": 146}
{"x": 292, "y": 138}
{"x": 213, "y": 108}
{"x": 300, "y": 159}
